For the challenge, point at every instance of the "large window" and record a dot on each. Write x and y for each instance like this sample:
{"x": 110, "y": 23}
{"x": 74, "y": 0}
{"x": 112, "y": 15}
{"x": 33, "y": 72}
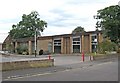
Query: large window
{"x": 57, "y": 46}
{"x": 76, "y": 44}
{"x": 94, "y": 42}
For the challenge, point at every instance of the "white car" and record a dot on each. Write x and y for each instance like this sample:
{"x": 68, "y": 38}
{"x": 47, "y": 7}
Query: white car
{"x": 4, "y": 52}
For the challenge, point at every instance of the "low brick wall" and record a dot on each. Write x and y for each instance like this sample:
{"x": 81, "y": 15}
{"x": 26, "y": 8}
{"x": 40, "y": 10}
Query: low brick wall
{"x": 98, "y": 57}
{"x": 26, "y": 64}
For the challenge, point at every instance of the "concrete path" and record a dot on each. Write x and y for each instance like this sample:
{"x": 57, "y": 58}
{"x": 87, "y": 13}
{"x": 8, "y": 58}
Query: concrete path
{"x": 58, "y": 58}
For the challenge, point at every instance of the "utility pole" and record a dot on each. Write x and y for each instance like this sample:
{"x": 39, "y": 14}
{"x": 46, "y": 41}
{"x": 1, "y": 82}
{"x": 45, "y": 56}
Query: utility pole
{"x": 35, "y": 42}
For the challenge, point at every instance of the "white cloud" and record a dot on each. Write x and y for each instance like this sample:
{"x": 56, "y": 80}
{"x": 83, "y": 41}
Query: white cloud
{"x": 62, "y": 15}
{"x": 57, "y": 30}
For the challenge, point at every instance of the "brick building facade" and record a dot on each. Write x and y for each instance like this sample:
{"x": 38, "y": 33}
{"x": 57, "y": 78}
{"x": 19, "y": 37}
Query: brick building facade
{"x": 62, "y": 44}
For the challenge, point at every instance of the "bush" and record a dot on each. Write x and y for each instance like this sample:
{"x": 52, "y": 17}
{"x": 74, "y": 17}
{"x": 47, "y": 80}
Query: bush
{"x": 106, "y": 46}
{"x": 118, "y": 51}
{"x": 22, "y": 49}
{"x": 25, "y": 53}
{"x": 41, "y": 52}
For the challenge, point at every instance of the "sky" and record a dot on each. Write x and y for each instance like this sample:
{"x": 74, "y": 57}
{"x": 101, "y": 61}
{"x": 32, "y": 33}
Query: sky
{"x": 62, "y": 16}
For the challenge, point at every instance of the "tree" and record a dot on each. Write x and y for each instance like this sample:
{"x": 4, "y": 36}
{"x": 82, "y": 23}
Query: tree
{"x": 28, "y": 25}
{"x": 78, "y": 30}
{"x": 108, "y": 20}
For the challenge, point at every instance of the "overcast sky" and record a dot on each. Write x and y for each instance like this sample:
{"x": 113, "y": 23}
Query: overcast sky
{"x": 62, "y": 16}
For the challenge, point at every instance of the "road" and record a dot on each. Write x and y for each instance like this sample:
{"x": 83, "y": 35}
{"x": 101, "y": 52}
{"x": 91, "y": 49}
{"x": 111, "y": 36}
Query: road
{"x": 106, "y": 70}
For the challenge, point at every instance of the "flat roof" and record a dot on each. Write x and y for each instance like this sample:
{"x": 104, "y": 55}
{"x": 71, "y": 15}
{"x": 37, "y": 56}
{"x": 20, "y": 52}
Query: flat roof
{"x": 53, "y": 36}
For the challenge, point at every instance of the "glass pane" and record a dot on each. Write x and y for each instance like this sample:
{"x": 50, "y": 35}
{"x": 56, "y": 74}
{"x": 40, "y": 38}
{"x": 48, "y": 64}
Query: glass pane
{"x": 78, "y": 42}
{"x": 74, "y": 42}
{"x": 76, "y": 39}
{"x": 94, "y": 37}
{"x": 57, "y": 40}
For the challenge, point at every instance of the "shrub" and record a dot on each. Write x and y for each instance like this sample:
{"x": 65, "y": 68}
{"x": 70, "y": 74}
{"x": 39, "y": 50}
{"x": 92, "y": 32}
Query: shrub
{"x": 41, "y": 52}
{"x": 118, "y": 51}
{"x": 106, "y": 46}
{"x": 24, "y": 53}
{"x": 22, "y": 49}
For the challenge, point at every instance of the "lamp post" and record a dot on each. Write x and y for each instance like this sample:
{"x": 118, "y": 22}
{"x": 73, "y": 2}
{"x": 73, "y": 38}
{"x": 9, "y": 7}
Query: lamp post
{"x": 35, "y": 42}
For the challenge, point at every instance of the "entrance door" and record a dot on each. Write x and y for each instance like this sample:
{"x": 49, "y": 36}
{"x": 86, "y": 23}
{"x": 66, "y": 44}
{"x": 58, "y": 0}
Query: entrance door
{"x": 94, "y": 48}
{"x": 76, "y": 48}
{"x": 57, "y": 46}
{"x": 57, "y": 49}
{"x": 76, "y": 44}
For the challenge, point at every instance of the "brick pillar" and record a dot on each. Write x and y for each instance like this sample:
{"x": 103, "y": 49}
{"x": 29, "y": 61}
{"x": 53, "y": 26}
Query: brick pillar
{"x": 30, "y": 47}
{"x": 62, "y": 46}
{"x": 53, "y": 45}
{"x": 16, "y": 45}
{"x": 90, "y": 39}
{"x": 82, "y": 43}
{"x": 71, "y": 47}
{"x": 68, "y": 45}
{"x": 100, "y": 39}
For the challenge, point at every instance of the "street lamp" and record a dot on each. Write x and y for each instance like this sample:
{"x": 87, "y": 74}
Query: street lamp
{"x": 35, "y": 42}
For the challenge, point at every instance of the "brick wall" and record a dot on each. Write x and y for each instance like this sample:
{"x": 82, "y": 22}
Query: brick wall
{"x": 43, "y": 44}
{"x": 86, "y": 44}
{"x": 26, "y": 64}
